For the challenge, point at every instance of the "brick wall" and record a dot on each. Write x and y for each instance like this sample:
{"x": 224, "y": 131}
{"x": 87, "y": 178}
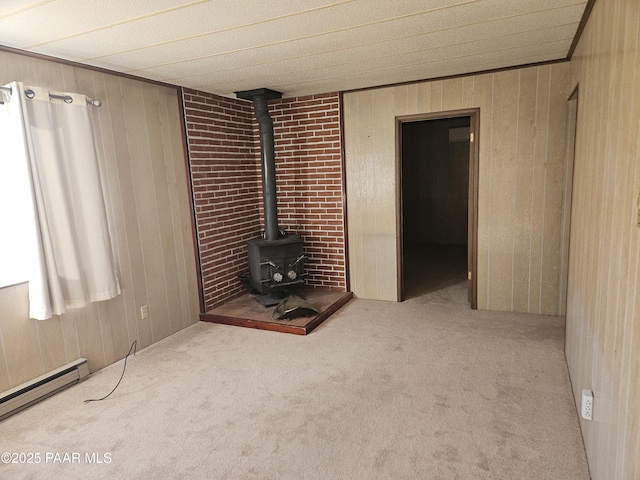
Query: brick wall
{"x": 224, "y": 173}
{"x": 309, "y": 180}
{"x": 224, "y": 151}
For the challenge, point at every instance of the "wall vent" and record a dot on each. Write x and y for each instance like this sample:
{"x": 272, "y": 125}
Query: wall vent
{"x": 33, "y": 391}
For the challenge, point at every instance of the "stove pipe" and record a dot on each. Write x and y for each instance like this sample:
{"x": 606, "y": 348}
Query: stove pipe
{"x": 260, "y": 98}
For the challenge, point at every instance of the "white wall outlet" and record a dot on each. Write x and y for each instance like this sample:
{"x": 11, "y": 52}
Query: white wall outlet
{"x": 587, "y": 404}
{"x": 144, "y": 312}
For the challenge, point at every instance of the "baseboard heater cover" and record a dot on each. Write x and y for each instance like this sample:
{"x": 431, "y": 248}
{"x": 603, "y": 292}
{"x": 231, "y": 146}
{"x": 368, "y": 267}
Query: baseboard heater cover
{"x": 24, "y": 395}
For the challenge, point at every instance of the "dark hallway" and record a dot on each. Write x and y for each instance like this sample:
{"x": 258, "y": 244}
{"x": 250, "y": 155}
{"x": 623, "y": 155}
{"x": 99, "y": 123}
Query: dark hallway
{"x": 435, "y": 186}
{"x": 436, "y": 271}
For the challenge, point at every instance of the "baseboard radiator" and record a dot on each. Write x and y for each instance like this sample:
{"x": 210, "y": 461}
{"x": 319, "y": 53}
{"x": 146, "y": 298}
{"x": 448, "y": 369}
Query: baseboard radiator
{"x": 33, "y": 391}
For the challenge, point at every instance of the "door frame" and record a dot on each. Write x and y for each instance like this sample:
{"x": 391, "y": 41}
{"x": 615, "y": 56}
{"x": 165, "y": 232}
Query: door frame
{"x": 567, "y": 202}
{"x": 472, "y": 217}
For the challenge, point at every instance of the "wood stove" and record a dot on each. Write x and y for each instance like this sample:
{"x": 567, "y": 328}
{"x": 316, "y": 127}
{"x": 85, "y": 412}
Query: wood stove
{"x": 276, "y": 265}
{"x": 276, "y": 261}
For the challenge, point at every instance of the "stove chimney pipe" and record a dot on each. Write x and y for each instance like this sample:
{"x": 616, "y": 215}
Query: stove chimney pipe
{"x": 260, "y": 98}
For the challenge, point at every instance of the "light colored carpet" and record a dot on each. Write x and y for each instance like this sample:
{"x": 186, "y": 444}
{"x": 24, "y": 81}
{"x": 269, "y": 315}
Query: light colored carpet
{"x": 417, "y": 390}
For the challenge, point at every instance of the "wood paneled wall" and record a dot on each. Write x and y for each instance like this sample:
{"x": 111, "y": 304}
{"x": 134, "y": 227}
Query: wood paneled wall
{"x": 522, "y": 155}
{"x": 140, "y": 148}
{"x": 603, "y": 305}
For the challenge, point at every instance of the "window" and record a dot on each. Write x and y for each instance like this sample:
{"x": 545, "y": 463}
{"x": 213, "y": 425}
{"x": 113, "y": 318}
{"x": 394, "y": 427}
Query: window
{"x": 62, "y": 248}
{"x": 15, "y": 208}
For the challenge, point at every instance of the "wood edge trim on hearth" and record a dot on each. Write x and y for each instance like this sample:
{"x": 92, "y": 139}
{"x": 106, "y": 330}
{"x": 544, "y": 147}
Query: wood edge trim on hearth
{"x": 280, "y": 327}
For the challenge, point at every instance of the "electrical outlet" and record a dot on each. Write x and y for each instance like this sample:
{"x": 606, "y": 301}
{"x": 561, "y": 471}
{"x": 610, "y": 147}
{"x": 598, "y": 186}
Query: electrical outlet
{"x": 587, "y": 404}
{"x": 144, "y": 311}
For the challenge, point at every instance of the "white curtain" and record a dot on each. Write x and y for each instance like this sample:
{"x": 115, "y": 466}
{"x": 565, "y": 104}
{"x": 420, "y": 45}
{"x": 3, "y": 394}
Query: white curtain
{"x": 71, "y": 260}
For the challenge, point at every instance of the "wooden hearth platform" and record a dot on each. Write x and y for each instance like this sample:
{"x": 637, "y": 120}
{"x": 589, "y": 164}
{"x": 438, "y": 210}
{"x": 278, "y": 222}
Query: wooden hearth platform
{"x": 245, "y": 311}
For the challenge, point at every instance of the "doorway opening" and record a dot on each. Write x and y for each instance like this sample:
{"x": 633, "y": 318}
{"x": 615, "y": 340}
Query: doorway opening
{"x": 437, "y": 198}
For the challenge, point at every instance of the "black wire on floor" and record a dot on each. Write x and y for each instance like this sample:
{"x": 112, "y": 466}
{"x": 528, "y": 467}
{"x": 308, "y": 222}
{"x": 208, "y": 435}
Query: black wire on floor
{"x": 133, "y": 347}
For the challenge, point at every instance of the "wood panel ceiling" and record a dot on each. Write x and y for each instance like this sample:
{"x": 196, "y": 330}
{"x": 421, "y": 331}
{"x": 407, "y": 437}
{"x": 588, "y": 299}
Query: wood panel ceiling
{"x": 298, "y": 47}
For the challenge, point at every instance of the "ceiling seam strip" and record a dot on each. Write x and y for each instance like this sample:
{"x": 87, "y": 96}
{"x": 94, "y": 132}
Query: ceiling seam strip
{"x": 471, "y": 72}
{"x": 385, "y": 68}
{"x": 123, "y": 22}
{"x": 561, "y": 57}
{"x": 237, "y": 27}
{"x": 223, "y": 30}
{"x": 25, "y": 8}
{"x": 307, "y": 37}
{"x": 370, "y": 44}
